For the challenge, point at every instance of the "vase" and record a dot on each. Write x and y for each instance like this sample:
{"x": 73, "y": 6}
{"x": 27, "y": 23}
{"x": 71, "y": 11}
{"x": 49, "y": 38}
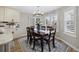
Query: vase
{"x": 38, "y": 27}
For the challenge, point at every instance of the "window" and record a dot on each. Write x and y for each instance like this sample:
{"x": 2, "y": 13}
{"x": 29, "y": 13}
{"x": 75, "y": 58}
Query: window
{"x": 51, "y": 20}
{"x": 54, "y": 19}
{"x": 69, "y": 21}
{"x": 48, "y": 21}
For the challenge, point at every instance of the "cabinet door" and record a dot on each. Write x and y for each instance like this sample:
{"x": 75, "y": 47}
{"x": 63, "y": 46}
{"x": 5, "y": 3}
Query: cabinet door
{"x": 1, "y": 13}
{"x": 16, "y": 16}
{"x": 11, "y": 14}
{"x": 8, "y": 14}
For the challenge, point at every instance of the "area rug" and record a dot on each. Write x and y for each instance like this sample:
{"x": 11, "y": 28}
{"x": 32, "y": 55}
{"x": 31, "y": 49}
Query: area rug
{"x": 60, "y": 46}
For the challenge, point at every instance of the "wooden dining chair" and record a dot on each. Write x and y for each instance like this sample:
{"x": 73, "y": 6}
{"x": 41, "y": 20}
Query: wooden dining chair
{"x": 28, "y": 33}
{"x": 50, "y": 38}
{"x": 34, "y": 37}
{"x": 54, "y": 34}
{"x": 53, "y": 37}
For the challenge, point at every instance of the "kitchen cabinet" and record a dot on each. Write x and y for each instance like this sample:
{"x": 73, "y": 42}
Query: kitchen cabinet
{"x": 1, "y": 13}
{"x": 7, "y": 14}
{"x": 11, "y": 14}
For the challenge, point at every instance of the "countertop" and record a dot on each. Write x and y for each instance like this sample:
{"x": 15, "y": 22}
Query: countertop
{"x": 6, "y": 37}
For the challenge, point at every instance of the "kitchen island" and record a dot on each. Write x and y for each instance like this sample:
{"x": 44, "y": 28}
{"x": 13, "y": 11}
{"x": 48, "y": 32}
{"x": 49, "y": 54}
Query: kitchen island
{"x": 5, "y": 39}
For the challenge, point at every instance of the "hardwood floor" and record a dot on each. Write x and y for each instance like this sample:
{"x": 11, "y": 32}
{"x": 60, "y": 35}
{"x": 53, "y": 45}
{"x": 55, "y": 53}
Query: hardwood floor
{"x": 17, "y": 47}
{"x": 71, "y": 50}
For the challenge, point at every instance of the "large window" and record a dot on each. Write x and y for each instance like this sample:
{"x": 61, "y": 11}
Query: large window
{"x": 69, "y": 21}
{"x": 51, "y": 20}
{"x": 48, "y": 20}
{"x": 54, "y": 19}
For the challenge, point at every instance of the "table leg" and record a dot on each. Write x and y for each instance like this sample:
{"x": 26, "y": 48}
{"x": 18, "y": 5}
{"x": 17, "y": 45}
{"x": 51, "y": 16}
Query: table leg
{"x": 53, "y": 41}
{"x": 41, "y": 44}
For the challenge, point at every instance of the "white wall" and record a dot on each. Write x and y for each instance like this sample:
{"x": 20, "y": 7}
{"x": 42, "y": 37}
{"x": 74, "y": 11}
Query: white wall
{"x": 77, "y": 27}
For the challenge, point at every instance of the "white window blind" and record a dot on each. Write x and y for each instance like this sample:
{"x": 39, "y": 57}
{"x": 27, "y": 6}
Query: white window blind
{"x": 69, "y": 21}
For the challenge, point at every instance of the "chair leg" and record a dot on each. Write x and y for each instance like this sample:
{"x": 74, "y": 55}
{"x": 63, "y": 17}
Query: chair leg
{"x": 49, "y": 46}
{"x": 33, "y": 44}
{"x": 41, "y": 45}
{"x": 53, "y": 42}
{"x": 27, "y": 39}
{"x": 30, "y": 42}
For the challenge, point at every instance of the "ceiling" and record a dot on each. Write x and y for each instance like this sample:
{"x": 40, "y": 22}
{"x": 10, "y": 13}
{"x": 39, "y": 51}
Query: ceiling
{"x": 31, "y": 9}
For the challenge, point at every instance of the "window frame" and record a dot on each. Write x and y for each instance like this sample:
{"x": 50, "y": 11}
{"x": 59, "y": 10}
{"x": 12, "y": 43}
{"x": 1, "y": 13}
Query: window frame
{"x": 50, "y": 16}
{"x": 69, "y": 32}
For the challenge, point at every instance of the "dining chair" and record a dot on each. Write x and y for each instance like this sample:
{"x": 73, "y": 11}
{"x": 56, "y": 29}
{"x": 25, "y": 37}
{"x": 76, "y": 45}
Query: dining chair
{"x": 31, "y": 34}
{"x": 28, "y": 33}
{"x": 53, "y": 37}
{"x": 34, "y": 37}
{"x": 54, "y": 34}
{"x": 50, "y": 38}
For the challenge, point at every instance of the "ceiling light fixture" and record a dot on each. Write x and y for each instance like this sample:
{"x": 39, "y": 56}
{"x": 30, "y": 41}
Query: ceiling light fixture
{"x": 38, "y": 12}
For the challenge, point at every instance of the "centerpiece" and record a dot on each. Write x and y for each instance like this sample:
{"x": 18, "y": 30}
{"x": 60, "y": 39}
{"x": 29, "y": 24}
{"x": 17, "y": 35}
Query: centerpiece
{"x": 38, "y": 24}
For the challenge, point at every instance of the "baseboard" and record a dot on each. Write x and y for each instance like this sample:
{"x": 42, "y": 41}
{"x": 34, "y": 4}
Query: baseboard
{"x": 68, "y": 44}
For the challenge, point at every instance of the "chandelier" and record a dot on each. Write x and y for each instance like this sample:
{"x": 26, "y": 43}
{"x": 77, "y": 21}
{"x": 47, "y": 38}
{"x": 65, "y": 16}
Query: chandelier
{"x": 38, "y": 12}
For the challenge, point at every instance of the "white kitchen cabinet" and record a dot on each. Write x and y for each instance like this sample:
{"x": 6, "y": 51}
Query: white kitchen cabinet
{"x": 1, "y": 13}
{"x": 7, "y": 14}
{"x": 11, "y": 14}
{"x": 16, "y": 16}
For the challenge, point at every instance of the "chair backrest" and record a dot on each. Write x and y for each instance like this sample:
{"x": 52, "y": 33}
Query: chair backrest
{"x": 55, "y": 29}
{"x": 43, "y": 27}
{"x": 32, "y": 32}
{"x": 32, "y": 26}
{"x": 49, "y": 35}
{"x": 54, "y": 33}
{"x": 28, "y": 30}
